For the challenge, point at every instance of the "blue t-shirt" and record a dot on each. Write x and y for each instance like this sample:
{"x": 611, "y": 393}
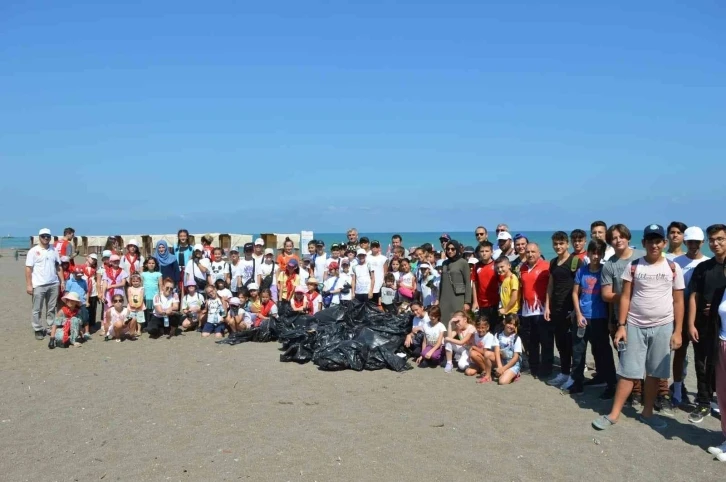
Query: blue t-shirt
{"x": 151, "y": 283}
{"x": 591, "y": 303}
{"x": 186, "y": 254}
{"x": 78, "y": 286}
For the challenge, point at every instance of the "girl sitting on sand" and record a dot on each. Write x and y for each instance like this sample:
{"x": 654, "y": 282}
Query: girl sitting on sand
{"x": 433, "y": 339}
{"x": 268, "y": 307}
{"x": 216, "y": 311}
{"x": 459, "y": 339}
{"x": 299, "y": 303}
{"x": 136, "y": 306}
{"x": 69, "y": 320}
{"x": 508, "y": 350}
{"x": 481, "y": 354}
{"x": 166, "y": 311}
{"x": 192, "y": 307}
{"x": 414, "y": 340}
{"x": 118, "y": 320}
{"x": 238, "y": 319}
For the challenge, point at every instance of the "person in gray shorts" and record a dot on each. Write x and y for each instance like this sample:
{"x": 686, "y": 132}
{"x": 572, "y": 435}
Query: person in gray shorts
{"x": 650, "y": 321}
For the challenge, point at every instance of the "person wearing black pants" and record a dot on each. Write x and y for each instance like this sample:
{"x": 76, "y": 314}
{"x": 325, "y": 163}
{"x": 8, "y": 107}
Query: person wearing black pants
{"x": 558, "y": 307}
{"x": 92, "y": 309}
{"x": 706, "y": 289}
{"x": 537, "y": 332}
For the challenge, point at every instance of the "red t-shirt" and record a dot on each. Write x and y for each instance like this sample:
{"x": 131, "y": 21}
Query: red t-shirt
{"x": 534, "y": 287}
{"x": 581, "y": 255}
{"x": 486, "y": 284}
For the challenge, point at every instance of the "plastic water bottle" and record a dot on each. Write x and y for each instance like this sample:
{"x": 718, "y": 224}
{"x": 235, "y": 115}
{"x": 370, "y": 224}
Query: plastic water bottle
{"x": 581, "y": 330}
{"x": 166, "y": 322}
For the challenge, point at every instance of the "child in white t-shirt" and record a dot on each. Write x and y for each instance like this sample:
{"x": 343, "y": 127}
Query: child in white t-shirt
{"x": 216, "y": 311}
{"x": 388, "y": 293}
{"x": 219, "y": 270}
{"x": 395, "y": 269}
{"x": 427, "y": 287}
{"x": 414, "y": 340}
{"x": 222, "y": 290}
{"x": 508, "y": 351}
{"x": 332, "y": 286}
{"x": 458, "y": 341}
{"x": 433, "y": 341}
{"x": 346, "y": 280}
{"x": 481, "y": 354}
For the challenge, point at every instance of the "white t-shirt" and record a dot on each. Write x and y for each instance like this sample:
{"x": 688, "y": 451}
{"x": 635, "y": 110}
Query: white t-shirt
{"x": 609, "y": 253}
{"x": 164, "y": 302}
{"x": 191, "y": 272}
{"x": 405, "y": 279}
{"x": 362, "y": 273}
{"x": 377, "y": 264}
{"x": 652, "y": 301}
{"x": 687, "y": 264}
{"x": 264, "y": 269}
{"x": 219, "y": 270}
{"x": 215, "y": 311}
{"x": 44, "y": 263}
{"x": 432, "y": 332}
{"x": 428, "y": 295}
{"x": 420, "y": 322}
{"x": 224, "y": 294}
{"x": 505, "y": 342}
{"x": 328, "y": 286}
{"x": 320, "y": 267}
{"x": 191, "y": 301}
{"x": 346, "y": 278}
{"x": 485, "y": 342}
{"x": 247, "y": 270}
{"x": 258, "y": 260}
{"x": 126, "y": 265}
{"x": 388, "y": 295}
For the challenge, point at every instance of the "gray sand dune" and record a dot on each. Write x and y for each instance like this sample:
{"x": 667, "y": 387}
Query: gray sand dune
{"x": 188, "y": 409}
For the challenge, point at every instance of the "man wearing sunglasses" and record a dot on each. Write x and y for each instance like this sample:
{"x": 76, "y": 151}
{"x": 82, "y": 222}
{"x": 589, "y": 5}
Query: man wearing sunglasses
{"x": 43, "y": 280}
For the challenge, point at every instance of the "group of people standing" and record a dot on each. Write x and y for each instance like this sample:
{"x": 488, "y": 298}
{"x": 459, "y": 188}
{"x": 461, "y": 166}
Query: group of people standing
{"x": 505, "y": 307}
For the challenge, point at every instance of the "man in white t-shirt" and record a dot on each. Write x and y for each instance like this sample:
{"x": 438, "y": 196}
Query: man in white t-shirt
{"x": 362, "y": 277}
{"x": 320, "y": 261}
{"x": 248, "y": 266}
{"x": 598, "y": 230}
{"x": 379, "y": 265}
{"x": 43, "y": 280}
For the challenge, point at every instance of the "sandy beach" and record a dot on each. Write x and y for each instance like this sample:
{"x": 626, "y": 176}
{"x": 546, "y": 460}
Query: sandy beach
{"x": 188, "y": 409}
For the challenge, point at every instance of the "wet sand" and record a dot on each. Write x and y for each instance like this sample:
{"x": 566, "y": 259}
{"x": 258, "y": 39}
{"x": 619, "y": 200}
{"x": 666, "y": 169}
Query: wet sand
{"x": 188, "y": 409}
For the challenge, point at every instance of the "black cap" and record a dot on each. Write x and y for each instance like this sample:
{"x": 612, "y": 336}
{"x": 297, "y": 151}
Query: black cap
{"x": 364, "y": 240}
{"x": 375, "y": 243}
{"x": 319, "y": 242}
{"x": 334, "y": 246}
{"x": 469, "y": 250}
{"x": 249, "y": 247}
{"x": 654, "y": 231}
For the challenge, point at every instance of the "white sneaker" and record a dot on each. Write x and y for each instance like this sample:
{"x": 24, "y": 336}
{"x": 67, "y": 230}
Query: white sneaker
{"x": 567, "y": 384}
{"x": 558, "y": 380}
{"x": 720, "y": 450}
{"x": 448, "y": 367}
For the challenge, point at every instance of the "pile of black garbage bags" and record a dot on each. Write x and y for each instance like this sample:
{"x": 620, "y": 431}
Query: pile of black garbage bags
{"x": 356, "y": 336}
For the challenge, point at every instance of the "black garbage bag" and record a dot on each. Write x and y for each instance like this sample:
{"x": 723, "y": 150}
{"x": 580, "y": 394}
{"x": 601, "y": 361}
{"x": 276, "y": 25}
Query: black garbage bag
{"x": 340, "y": 356}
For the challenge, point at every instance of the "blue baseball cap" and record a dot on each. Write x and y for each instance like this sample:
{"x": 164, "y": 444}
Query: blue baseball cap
{"x": 520, "y": 236}
{"x": 654, "y": 231}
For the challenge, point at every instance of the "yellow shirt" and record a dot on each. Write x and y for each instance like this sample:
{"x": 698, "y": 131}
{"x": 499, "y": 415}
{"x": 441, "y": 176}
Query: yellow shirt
{"x": 505, "y": 293}
{"x": 282, "y": 279}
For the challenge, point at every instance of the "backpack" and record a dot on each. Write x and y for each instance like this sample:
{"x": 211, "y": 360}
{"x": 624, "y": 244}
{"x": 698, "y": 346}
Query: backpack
{"x": 267, "y": 280}
{"x": 634, "y": 266}
{"x": 327, "y": 299}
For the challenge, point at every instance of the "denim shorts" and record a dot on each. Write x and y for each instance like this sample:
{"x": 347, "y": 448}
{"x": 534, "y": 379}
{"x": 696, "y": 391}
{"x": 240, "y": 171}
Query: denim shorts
{"x": 213, "y": 328}
{"x": 516, "y": 368}
{"x": 138, "y": 315}
{"x": 648, "y": 352}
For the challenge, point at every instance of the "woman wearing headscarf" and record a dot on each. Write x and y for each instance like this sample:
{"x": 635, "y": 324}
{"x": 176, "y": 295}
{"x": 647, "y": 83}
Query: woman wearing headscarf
{"x": 455, "y": 284}
{"x": 168, "y": 264}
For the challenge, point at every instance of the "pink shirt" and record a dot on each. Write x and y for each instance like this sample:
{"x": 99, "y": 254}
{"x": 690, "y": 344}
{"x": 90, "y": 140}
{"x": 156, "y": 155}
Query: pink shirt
{"x": 651, "y": 303}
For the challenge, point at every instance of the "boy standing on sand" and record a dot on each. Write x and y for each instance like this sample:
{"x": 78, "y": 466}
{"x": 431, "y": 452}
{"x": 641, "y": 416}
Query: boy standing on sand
{"x": 650, "y": 322}
{"x": 486, "y": 285}
{"x": 559, "y": 305}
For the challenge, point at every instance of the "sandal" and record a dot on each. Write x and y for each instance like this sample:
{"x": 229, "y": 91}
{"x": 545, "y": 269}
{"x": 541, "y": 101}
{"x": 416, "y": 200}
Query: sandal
{"x": 602, "y": 423}
{"x": 483, "y": 379}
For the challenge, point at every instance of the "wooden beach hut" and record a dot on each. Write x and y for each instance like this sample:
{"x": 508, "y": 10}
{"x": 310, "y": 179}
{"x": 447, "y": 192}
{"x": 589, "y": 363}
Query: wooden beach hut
{"x": 236, "y": 240}
{"x": 277, "y": 240}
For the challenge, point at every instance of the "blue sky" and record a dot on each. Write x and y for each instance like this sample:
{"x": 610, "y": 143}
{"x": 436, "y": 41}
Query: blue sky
{"x": 406, "y": 116}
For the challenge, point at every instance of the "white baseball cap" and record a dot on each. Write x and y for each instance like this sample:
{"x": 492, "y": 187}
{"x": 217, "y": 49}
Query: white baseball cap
{"x": 504, "y": 235}
{"x": 44, "y": 231}
{"x": 424, "y": 265}
{"x": 259, "y": 242}
{"x": 133, "y": 242}
{"x": 473, "y": 260}
{"x": 93, "y": 256}
{"x": 252, "y": 286}
{"x": 65, "y": 259}
{"x": 269, "y": 251}
{"x": 361, "y": 251}
{"x": 106, "y": 253}
{"x": 198, "y": 247}
{"x": 694, "y": 233}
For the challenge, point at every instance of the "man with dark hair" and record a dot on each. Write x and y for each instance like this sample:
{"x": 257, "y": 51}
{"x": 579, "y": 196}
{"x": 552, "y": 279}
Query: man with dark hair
{"x": 485, "y": 283}
{"x": 578, "y": 239}
{"x": 481, "y": 234}
{"x": 675, "y": 231}
{"x": 598, "y": 230}
{"x": 706, "y": 289}
{"x": 618, "y": 235}
{"x": 64, "y": 246}
{"x": 558, "y": 306}
{"x": 396, "y": 241}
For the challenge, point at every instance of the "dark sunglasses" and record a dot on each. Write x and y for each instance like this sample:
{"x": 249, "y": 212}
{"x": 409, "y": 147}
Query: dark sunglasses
{"x": 118, "y": 300}
{"x": 479, "y": 234}
{"x": 45, "y": 236}
{"x": 501, "y": 230}
{"x": 450, "y": 249}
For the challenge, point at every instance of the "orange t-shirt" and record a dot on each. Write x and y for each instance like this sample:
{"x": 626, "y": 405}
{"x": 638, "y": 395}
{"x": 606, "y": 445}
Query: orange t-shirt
{"x": 283, "y": 259}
